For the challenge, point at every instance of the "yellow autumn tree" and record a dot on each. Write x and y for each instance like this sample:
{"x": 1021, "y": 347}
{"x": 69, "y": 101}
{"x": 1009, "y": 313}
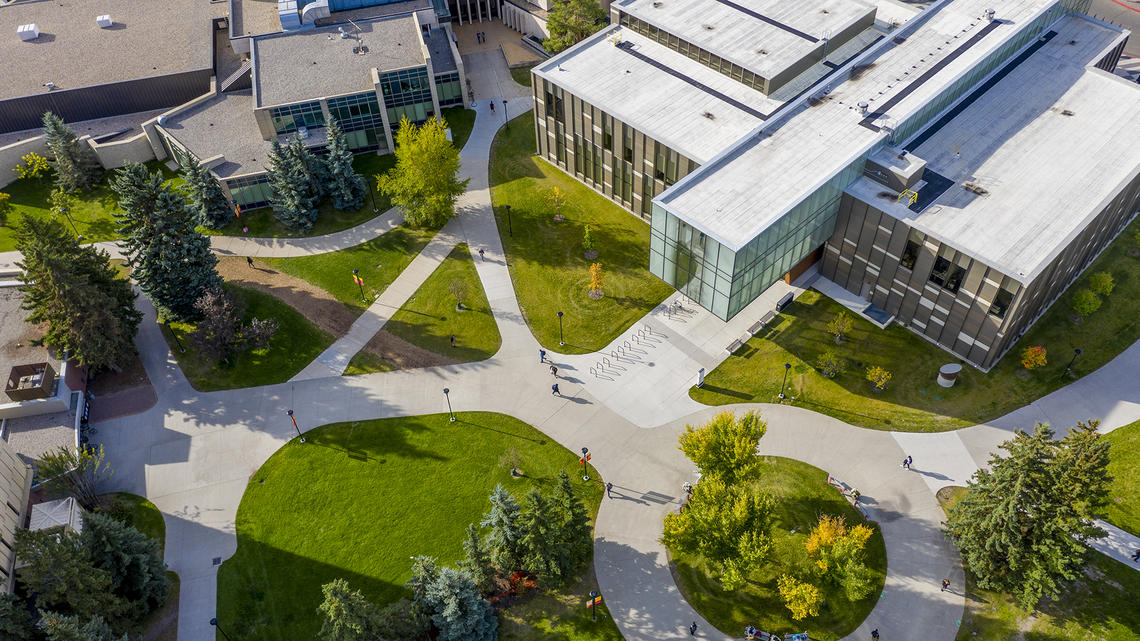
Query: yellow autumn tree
{"x": 557, "y": 200}
{"x": 838, "y": 553}
{"x": 597, "y": 280}
{"x": 803, "y": 599}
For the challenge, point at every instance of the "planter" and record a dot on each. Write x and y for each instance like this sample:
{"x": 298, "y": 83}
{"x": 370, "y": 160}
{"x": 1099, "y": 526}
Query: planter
{"x": 516, "y": 473}
{"x": 559, "y": 218}
{"x": 591, "y": 254}
{"x": 596, "y": 294}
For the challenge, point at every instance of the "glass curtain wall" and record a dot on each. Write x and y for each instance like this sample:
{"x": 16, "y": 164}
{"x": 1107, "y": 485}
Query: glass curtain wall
{"x": 407, "y": 94}
{"x": 448, "y": 89}
{"x": 360, "y": 119}
{"x": 287, "y": 118}
{"x": 250, "y": 191}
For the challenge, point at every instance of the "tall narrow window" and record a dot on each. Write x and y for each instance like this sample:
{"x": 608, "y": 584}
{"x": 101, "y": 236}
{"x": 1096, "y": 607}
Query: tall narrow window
{"x": 627, "y": 143}
{"x": 1001, "y": 303}
{"x": 608, "y": 132}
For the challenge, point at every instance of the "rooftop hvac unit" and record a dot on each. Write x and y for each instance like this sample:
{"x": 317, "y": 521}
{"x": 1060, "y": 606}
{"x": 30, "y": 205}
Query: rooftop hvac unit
{"x": 104, "y": 21}
{"x": 28, "y": 31}
{"x": 302, "y": 132}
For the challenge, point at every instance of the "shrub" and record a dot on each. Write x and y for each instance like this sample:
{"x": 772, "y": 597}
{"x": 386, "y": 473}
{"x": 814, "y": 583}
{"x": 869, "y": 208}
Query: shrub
{"x": 830, "y": 364}
{"x": 588, "y": 240}
{"x": 839, "y": 326}
{"x": 33, "y": 165}
{"x": 878, "y": 376}
{"x": 838, "y": 552}
{"x": 1102, "y": 283}
{"x": 803, "y": 599}
{"x": 1085, "y": 302}
{"x": 1033, "y": 357}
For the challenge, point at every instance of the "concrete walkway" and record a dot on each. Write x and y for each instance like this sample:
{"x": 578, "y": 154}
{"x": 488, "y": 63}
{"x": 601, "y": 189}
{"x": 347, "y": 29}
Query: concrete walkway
{"x": 194, "y": 452}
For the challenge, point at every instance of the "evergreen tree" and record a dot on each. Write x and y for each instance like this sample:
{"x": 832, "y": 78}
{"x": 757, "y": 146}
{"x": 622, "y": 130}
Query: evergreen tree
{"x": 15, "y": 620}
{"x": 725, "y": 447}
{"x": 1082, "y": 459}
{"x": 348, "y": 615}
{"x": 292, "y": 193}
{"x": 57, "y": 627}
{"x": 424, "y": 571}
{"x": 1020, "y": 530}
{"x": 425, "y": 181}
{"x": 171, "y": 261}
{"x": 576, "y": 538}
{"x": 402, "y": 620}
{"x": 207, "y": 200}
{"x": 571, "y": 21}
{"x": 345, "y": 185}
{"x": 89, "y": 311}
{"x": 311, "y": 166}
{"x": 131, "y": 558}
{"x": 59, "y": 573}
{"x": 476, "y": 561}
{"x": 503, "y": 539}
{"x": 539, "y": 544}
{"x": 74, "y": 471}
{"x": 457, "y": 610}
{"x": 75, "y": 163}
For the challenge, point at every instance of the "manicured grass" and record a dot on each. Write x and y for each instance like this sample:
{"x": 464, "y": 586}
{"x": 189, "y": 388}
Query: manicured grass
{"x": 379, "y": 260}
{"x": 91, "y": 209}
{"x": 461, "y": 121}
{"x": 365, "y": 362}
{"x": 546, "y": 259}
{"x": 293, "y": 347}
{"x": 559, "y": 616}
{"x": 261, "y": 222}
{"x": 1123, "y": 509}
{"x": 429, "y": 319}
{"x": 522, "y": 75}
{"x": 358, "y": 499}
{"x": 1098, "y": 605}
{"x": 913, "y": 401}
{"x": 139, "y": 512}
{"x": 802, "y": 495}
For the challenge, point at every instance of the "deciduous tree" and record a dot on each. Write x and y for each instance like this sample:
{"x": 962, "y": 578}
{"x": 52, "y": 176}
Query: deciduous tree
{"x": 1034, "y": 357}
{"x": 425, "y": 181}
{"x": 725, "y": 447}
{"x": 75, "y": 472}
{"x": 1102, "y": 283}
{"x": 839, "y": 326}
{"x": 803, "y": 599}
{"x": 345, "y": 185}
{"x": 830, "y": 364}
{"x": 839, "y": 555}
{"x": 878, "y": 376}
{"x": 571, "y": 21}
{"x": 207, "y": 200}
{"x": 1085, "y": 302}
{"x": 5, "y": 208}
{"x": 75, "y": 163}
{"x": 597, "y": 280}
{"x": 171, "y": 261}
{"x": 32, "y": 165}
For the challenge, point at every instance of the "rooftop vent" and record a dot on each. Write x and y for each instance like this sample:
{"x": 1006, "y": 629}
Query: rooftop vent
{"x": 708, "y": 27}
{"x": 709, "y": 115}
{"x": 1067, "y": 112}
{"x": 863, "y": 106}
{"x": 302, "y": 132}
{"x": 975, "y": 188}
{"x": 28, "y": 31}
{"x": 343, "y": 33}
{"x": 49, "y": 85}
{"x": 990, "y": 15}
{"x": 104, "y": 21}
{"x": 657, "y": 5}
{"x": 762, "y": 52}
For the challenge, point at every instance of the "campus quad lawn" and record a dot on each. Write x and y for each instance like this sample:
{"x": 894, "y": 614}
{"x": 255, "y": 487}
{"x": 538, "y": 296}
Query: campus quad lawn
{"x": 1123, "y": 509}
{"x": 429, "y": 319}
{"x": 379, "y": 260}
{"x": 261, "y": 222}
{"x": 546, "y": 259}
{"x": 360, "y": 498}
{"x": 91, "y": 210}
{"x": 802, "y": 494}
{"x": 293, "y": 347}
{"x": 913, "y": 401}
{"x": 1100, "y": 604}
{"x": 522, "y": 75}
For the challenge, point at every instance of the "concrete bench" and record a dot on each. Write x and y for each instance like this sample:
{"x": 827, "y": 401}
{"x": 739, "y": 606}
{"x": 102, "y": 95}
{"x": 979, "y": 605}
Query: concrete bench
{"x": 762, "y": 323}
{"x": 734, "y": 345}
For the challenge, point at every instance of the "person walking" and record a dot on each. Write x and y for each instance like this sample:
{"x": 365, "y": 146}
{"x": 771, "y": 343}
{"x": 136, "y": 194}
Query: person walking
{"x": 906, "y": 463}
{"x": 481, "y": 257}
{"x": 554, "y": 371}
{"x": 492, "y": 103}
{"x": 875, "y": 634}
{"x": 541, "y": 356}
{"x": 554, "y": 390}
{"x": 249, "y": 261}
{"x": 609, "y": 490}
{"x": 453, "y": 340}
{"x": 693, "y": 629}
{"x": 945, "y": 584}
{"x": 1136, "y": 555}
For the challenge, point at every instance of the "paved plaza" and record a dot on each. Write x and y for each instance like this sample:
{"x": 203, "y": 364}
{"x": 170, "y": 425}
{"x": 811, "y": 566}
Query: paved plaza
{"x": 193, "y": 453}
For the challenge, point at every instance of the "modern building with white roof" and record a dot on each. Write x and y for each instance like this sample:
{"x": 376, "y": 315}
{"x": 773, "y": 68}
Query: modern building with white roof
{"x": 988, "y": 154}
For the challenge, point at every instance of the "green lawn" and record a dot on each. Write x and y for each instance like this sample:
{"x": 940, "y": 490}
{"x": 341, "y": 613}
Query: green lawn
{"x": 1124, "y": 462}
{"x": 365, "y": 362}
{"x": 1099, "y": 605}
{"x": 912, "y": 400}
{"x": 293, "y": 347}
{"x": 546, "y": 259}
{"x": 358, "y": 499}
{"x": 91, "y": 210}
{"x": 522, "y": 75}
{"x": 559, "y": 616}
{"x": 802, "y": 495}
{"x": 379, "y": 260}
{"x": 139, "y": 512}
{"x": 461, "y": 121}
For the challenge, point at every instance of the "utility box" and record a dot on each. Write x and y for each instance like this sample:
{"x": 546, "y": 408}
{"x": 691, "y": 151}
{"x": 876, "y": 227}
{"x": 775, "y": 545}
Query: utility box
{"x": 30, "y": 382}
{"x": 104, "y": 21}
{"x": 28, "y": 31}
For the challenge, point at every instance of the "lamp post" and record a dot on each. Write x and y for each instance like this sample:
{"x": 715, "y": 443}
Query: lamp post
{"x": 1069, "y": 367}
{"x": 561, "y": 340}
{"x": 506, "y": 120}
{"x": 449, "y": 412}
{"x": 787, "y": 366}
{"x": 214, "y": 622}
{"x": 510, "y": 229}
{"x": 594, "y": 605}
{"x": 294, "y": 419}
{"x": 360, "y": 283}
{"x": 166, "y": 321}
{"x": 585, "y": 461}
{"x": 371, "y": 195}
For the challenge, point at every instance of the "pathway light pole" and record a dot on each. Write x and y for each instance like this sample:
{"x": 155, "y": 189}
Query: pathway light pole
{"x": 214, "y": 622}
{"x": 510, "y": 229}
{"x": 787, "y": 366}
{"x": 360, "y": 283}
{"x": 177, "y": 341}
{"x": 506, "y": 120}
{"x": 294, "y": 419}
{"x": 561, "y": 340}
{"x": 585, "y": 461}
{"x": 1069, "y": 367}
{"x": 594, "y": 605}
{"x": 449, "y": 412}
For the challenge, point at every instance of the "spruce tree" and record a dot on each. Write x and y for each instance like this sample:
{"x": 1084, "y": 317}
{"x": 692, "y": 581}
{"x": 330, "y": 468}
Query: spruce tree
{"x": 345, "y": 185}
{"x": 457, "y": 610}
{"x": 348, "y": 615}
{"x": 1082, "y": 459}
{"x": 293, "y": 198}
{"x": 58, "y": 572}
{"x": 171, "y": 261}
{"x": 1020, "y": 530}
{"x": 575, "y": 536}
{"x": 75, "y": 163}
{"x": 424, "y": 571}
{"x": 476, "y": 561}
{"x": 539, "y": 544}
{"x": 311, "y": 166}
{"x": 15, "y": 620}
{"x": 131, "y": 558}
{"x": 211, "y": 208}
{"x": 57, "y": 627}
{"x": 88, "y": 310}
{"x": 503, "y": 538}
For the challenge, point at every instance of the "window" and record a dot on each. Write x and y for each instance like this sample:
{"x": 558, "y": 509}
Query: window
{"x": 948, "y": 272}
{"x": 608, "y": 132}
{"x": 288, "y": 118}
{"x": 1001, "y": 303}
{"x": 627, "y": 143}
{"x": 913, "y": 245}
{"x": 548, "y": 100}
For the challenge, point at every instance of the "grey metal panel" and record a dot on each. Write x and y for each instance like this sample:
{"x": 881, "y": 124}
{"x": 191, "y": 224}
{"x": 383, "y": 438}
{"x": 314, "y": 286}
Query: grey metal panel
{"x": 103, "y": 101}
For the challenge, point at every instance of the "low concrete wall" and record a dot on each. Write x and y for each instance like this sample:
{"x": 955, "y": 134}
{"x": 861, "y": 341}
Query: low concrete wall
{"x": 115, "y": 154}
{"x": 10, "y": 157}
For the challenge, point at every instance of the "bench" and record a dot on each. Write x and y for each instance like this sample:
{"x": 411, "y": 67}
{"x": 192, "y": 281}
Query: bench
{"x": 734, "y": 345}
{"x": 762, "y": 323}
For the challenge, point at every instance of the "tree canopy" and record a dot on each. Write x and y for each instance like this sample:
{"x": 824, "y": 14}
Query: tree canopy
{"x": 345, "y": 185}
{"x": 725, "y": 447}
{"x": 294, "y": 194}
{"x": 207, "y": 200}
{"x": 572, "y": 21}
{"x": 425, "y": 181}
{"x": 75, "y": 163}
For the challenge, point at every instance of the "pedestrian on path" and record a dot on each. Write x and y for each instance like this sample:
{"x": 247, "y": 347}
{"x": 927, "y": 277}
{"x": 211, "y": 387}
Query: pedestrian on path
{"x": 907, "y": 461}
{"x": 453, "y": 340}
{"x": 481, "y": 255}
{"x": 541, "y": 356}
{"x": 875, "y": 634}
{"x": 554, "y": 371}
{"x": 554, "y": 390}
{"x": 945, "y": 584}
{"x": 693, "y": 629}
{"x": 492, "y": 103}
{"x": 1136, "y": 555}
{"x": 249, "y": 261}
{"x": 609, "y": 490}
